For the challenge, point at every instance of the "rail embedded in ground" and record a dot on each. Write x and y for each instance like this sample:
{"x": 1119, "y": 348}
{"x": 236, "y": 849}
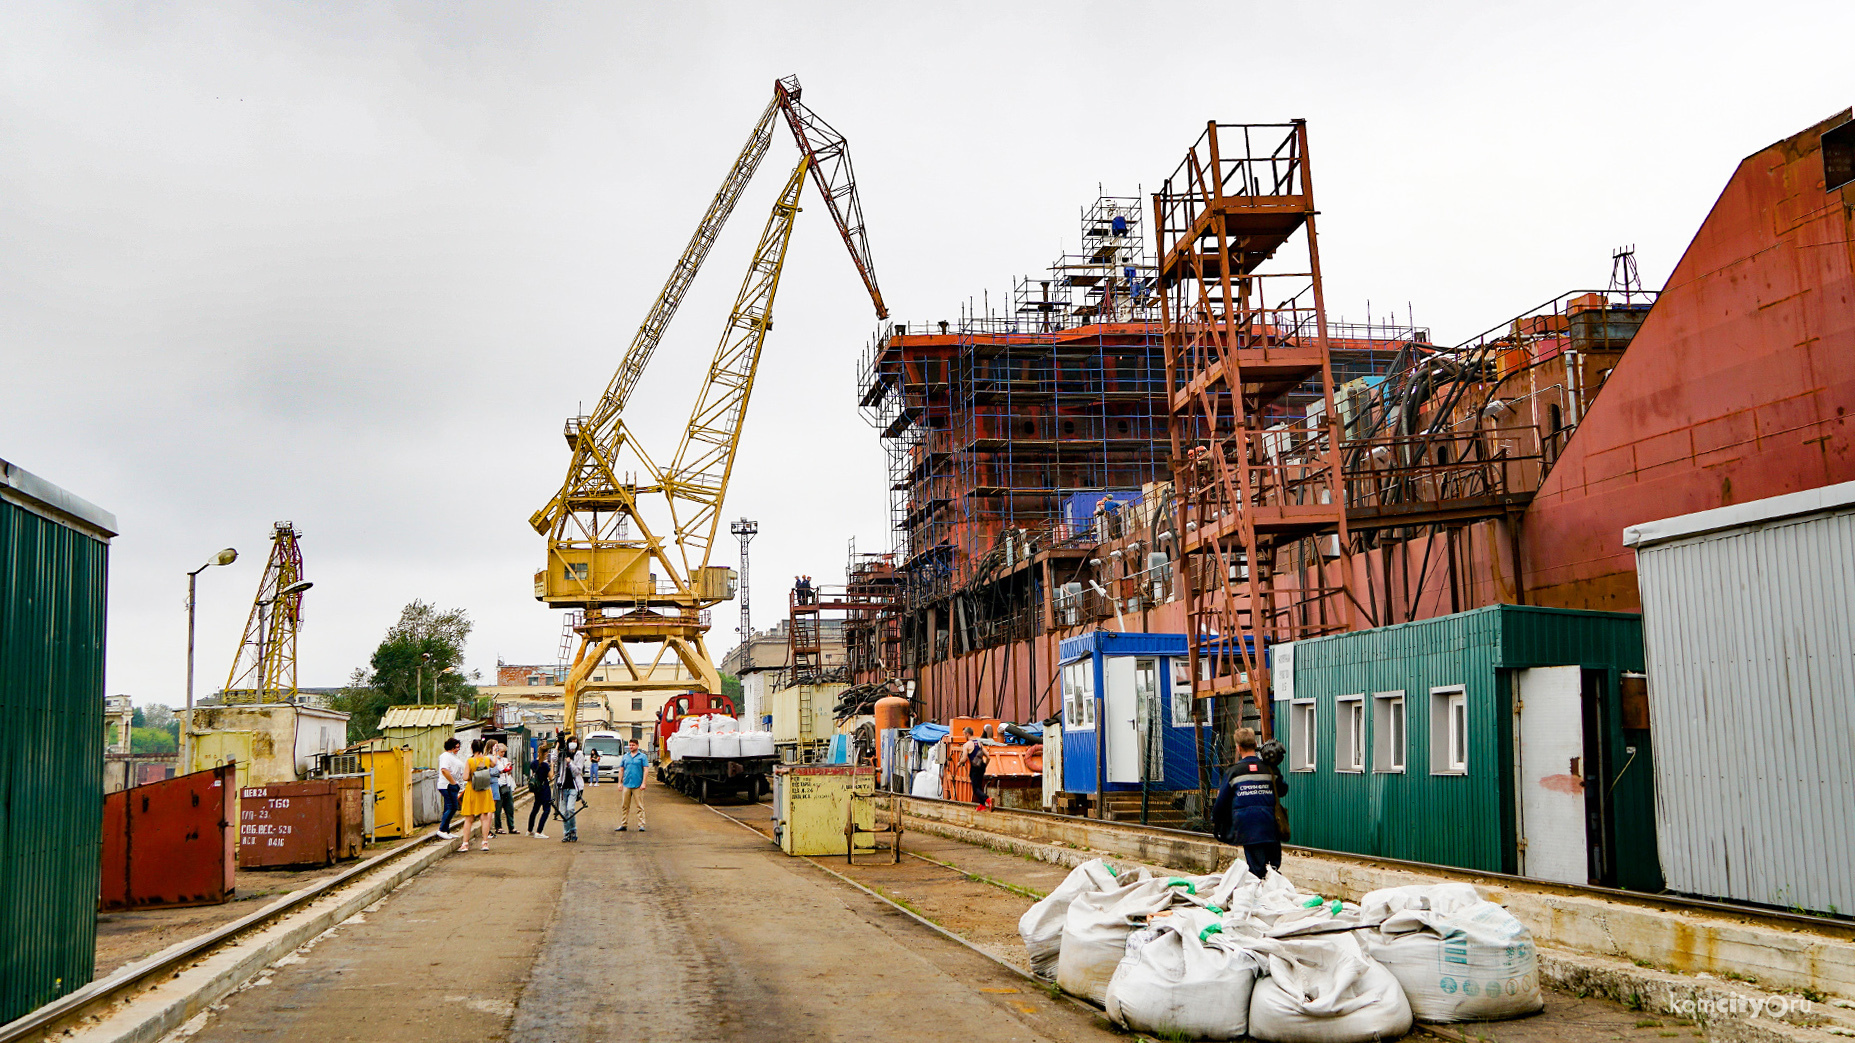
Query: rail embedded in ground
{"x": 144, "y": 973}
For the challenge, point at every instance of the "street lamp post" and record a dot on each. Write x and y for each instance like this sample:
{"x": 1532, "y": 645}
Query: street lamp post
{"x": 224, "y": 557}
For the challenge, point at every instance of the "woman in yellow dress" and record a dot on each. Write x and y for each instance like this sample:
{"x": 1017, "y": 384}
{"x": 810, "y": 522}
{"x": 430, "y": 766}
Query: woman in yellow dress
{"x": 478, "y": 804}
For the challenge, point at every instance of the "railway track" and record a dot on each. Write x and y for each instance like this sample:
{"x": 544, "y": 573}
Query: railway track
{"x": 100, "y": 997}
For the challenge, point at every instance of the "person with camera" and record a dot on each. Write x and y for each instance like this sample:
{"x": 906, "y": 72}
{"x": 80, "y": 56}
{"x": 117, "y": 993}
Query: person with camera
{"x": 1248, "y": 807}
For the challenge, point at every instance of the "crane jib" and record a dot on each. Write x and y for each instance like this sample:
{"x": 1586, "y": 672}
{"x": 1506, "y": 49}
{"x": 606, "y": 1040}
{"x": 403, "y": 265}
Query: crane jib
{"x": 605, "y": 558}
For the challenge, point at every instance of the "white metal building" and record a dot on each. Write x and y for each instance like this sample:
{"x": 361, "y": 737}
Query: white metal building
{"x": 1749, "y": 622}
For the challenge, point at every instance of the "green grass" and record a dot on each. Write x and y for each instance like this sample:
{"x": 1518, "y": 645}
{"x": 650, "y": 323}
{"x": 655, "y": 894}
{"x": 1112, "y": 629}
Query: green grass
{"x": 1648, "y": 1023}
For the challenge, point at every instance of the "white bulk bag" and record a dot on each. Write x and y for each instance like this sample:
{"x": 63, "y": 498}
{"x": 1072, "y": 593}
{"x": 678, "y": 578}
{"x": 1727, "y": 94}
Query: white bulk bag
{"x": 1041, "y": 926}
{"x": 1458, "y": 957}
{"x": 1325, "y": 989}
{"x": 696, "y": 744}
{"x": 926, "y": 784}
{"x": 756, "y": 744}
{"x": 689, "y": 726}
{"x": 724, "y": 724}
{"x": 1181, "y": 977}
{"x": 725, "y": 744}
{"x": 1095, "y": 934}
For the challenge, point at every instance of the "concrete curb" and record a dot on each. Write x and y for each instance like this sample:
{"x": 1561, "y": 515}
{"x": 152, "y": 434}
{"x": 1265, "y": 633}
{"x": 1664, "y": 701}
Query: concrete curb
{"x": 149, "y": 1015}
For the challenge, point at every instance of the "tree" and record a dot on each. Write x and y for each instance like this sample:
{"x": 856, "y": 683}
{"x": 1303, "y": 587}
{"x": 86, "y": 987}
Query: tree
{"x": 161, "y": 718}
{"x": 151, "y": 740}
{"x": 410, "y": 666}
{"x": 138, "y": 719}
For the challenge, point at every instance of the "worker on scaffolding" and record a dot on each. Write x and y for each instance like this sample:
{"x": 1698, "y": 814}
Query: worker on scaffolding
{"x": 803, "y": 584}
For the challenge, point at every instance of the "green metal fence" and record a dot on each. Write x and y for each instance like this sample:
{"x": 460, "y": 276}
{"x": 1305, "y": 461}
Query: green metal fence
{"x": 52, "y": 580}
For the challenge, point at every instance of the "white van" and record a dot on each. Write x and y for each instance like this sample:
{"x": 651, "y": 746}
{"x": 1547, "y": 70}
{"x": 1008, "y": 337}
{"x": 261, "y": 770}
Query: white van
{"x": 611, "y": 747}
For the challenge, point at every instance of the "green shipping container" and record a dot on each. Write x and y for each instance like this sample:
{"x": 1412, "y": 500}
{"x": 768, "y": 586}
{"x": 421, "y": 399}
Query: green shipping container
{"x": 1491, "y": 740}
{"x": 54, "y": 557}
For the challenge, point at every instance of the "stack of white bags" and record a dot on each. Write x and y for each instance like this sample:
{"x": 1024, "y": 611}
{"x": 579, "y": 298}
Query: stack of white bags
{"x": 1228, "y": 955}
{"x": 717, "y": 735}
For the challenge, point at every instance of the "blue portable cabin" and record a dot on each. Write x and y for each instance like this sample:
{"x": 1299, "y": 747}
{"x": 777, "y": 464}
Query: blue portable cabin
{"x": 1107, "y": 678}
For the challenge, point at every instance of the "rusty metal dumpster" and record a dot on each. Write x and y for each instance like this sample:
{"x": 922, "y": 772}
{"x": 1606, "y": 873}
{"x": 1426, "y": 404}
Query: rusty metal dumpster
{"x": 171, "y": 842}
{"x": 289, "y": 824}
{"x": 353, "y": 807}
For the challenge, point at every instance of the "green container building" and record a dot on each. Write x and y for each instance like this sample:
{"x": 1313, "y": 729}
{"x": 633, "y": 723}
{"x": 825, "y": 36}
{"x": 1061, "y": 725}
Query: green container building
{"x": 1507, "y": 739}
{"x": 54, "y": 558}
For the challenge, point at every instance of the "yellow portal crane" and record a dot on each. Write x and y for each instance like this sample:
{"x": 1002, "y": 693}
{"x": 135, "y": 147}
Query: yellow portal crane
{"x": 604, "y": 556}
{"x": 264, "y": 669}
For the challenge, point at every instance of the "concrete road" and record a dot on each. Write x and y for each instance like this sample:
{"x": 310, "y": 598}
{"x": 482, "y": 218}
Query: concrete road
{"x": 695, "y": 930}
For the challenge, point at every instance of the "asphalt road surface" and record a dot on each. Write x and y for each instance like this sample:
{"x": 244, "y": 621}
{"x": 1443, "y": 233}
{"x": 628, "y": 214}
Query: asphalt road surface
{"x": 696, "y": 930}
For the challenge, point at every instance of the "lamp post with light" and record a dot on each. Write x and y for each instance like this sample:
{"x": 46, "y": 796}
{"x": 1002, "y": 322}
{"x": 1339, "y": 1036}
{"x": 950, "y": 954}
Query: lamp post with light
{"x": 224, "y": 557}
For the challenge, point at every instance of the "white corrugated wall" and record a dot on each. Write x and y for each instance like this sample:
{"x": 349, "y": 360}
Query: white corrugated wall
{"x": 1750, "y": 638}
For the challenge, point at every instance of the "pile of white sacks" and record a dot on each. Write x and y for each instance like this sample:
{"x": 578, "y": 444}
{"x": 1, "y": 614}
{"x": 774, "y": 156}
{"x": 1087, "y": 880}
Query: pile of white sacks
{"x": 1228, "y": 955}
{"x": 717, "y": 735}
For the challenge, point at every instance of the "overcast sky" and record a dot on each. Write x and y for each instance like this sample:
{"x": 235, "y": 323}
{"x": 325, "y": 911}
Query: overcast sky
{"x": 351, "y": 265}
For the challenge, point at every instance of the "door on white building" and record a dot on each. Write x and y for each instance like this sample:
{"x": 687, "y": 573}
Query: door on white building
{"x": 1550, "y": 774}
{"x": 1120, "y": 719}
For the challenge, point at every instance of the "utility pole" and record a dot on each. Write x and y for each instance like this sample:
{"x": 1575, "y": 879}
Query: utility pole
{"x": 746, "y": 530}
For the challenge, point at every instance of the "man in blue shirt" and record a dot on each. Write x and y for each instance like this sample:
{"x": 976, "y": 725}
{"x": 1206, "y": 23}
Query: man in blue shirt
{"x": 631, "y": 776}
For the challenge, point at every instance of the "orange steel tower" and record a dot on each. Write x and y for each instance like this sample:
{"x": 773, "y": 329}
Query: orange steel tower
{"x": 1265, "y": 545}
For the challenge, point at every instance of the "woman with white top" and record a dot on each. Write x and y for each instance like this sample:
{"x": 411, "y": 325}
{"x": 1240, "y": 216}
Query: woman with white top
{"x": 505, "y": 790}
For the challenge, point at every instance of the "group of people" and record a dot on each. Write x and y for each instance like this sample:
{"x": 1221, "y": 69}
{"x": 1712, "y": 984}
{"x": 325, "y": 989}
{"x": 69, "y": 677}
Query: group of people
{"x": 482, "y": 787}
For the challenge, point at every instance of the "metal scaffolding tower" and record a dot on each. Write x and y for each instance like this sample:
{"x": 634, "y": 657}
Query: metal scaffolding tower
{"x": 1259, "y": 488}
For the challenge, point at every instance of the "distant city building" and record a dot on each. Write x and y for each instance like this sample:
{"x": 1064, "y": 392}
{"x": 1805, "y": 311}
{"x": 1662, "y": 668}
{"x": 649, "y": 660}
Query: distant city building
{"x": 761, "y": 663}
{"x": 118, "y": 720}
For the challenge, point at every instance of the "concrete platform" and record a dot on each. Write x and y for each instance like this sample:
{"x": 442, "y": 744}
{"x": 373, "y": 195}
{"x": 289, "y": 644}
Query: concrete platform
{"x": 695, "y": 930}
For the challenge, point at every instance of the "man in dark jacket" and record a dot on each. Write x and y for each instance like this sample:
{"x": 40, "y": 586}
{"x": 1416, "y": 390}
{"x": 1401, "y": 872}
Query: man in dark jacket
{"x": 1245, "y": 812}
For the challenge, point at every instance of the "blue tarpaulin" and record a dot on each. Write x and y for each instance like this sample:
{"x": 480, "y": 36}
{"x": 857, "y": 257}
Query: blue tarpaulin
{"x": 928, "y": 732}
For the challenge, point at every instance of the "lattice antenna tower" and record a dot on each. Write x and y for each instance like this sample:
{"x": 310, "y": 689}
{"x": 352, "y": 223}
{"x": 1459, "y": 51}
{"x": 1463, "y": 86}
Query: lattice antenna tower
{"x": 264, "y": 668}
{"x": 1624, "y": 278}
{"x": 745, "y": 530}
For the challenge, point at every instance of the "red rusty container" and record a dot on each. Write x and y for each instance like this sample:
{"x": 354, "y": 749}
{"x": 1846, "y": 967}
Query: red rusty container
{"x": 170, "y": 843}
{"x": 289, "y": 824}
{"x": 353, "y": 832}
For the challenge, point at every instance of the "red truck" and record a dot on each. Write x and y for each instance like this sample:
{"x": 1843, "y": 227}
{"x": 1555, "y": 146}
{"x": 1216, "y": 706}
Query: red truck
{"x": 707, "y": 778}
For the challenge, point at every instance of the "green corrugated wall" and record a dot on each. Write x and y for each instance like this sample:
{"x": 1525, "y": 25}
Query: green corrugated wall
{"x": 52, "y": 582}
{"x": 1458, "y": 820}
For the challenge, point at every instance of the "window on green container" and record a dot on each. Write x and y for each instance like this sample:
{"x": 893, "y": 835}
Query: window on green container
{"x": 1349, "y": 737}
{"x": 1388, "y": 742}
{"x": 1301, "y": 743}
{"x": 1449, "y": 731}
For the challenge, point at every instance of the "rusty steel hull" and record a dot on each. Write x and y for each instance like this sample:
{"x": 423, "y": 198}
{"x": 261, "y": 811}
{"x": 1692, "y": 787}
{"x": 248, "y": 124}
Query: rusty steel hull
{"x": 170, "y": 843}
{"x": 1738, "y": 386}
{"x": 289, "y": 824}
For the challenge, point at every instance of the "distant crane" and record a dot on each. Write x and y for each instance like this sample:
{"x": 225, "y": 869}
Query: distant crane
{"x": 264, "y": 669}
{"x": 746, "y": 530}
{"x": 630, "y": 588}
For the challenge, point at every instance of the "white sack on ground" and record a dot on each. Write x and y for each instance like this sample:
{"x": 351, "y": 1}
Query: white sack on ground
{"x": 1095, "y": 934}
{"x": 1179, "y": 976}
{"x": 1458, "y": 957}
{"x": 1325, "y": 989}
{"x": 926, "y": 784}
{"x": 1041, "y": 926}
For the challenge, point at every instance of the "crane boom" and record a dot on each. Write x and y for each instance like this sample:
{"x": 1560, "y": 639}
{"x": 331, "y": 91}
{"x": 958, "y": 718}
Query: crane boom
{"x": 698, "y": 475}
{"x": 604, "y": 557}
{"x": 644, "y": 343}
{"x": 829, "y": 154}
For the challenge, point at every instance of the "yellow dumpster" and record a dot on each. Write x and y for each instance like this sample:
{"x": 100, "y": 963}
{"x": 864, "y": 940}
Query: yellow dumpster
{"x": 391, "y": 772}
{"x": 813, "y": 803}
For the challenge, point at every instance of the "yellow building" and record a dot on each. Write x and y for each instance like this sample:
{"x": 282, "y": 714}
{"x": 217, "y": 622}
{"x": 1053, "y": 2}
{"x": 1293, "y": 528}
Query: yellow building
{"x": 532, "y": 696}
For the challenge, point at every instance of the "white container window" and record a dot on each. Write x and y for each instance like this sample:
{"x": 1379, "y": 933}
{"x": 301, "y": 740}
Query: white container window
{"x": 1388, "y": 737}
{"x": 1181, "y": 693}
{"x": 1349, "y": 733}
{"x": 1301, "y": 740}
{"x": 1449, "y": 731}
{"x": 1079, "y": 695}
